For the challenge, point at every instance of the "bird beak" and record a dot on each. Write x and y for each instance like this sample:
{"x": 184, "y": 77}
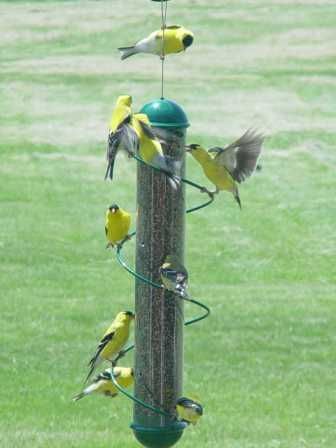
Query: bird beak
{"x": 187, "y": 148}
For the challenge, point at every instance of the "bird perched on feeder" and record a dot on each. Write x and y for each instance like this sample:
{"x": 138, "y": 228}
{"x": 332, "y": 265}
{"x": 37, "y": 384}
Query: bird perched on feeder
{"x": 134, "y": 133}
{"x": 103, "y": 383}
{"x": 113, "y": 341}
{"x": 174, "y": 276}
{"x": 188, "y": 410}
{"x": 231, "y": 164}
{"x": 150, "y": 149}
{"x": 117, "y": 224}
{"x": 119, "y": 132}
{"x": 176, "y": 39}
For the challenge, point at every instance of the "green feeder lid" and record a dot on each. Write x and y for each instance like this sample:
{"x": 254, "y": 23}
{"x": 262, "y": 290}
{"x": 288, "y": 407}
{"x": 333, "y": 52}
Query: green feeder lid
{"x": 165, "y": 113}
{"x": 159, "y": 437}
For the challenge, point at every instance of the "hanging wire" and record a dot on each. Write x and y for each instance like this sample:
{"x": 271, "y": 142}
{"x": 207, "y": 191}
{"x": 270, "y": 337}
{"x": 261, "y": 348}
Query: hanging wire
{"x": 163, "y": 27}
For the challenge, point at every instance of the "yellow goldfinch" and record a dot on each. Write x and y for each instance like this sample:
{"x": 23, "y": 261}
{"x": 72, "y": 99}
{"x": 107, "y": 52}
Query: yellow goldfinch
{"x": 117, "y": 224}
{"x": 113, "y": 341}
{"x": 118, "y": 127}
{"x": 121, "y": 112}
{"x": 150, "y": 148}
{"x": 188, "y": 410}
{"x": 174, "y": 275}
{"x": 233, "y": 163}
{"x": 103, "y": 384}
{"x": 176, "y": 39}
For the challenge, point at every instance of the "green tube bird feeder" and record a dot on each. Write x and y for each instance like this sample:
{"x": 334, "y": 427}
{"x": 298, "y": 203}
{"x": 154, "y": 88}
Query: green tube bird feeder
{"x": 160, "y": 232}
{"x": 159, "y": 323}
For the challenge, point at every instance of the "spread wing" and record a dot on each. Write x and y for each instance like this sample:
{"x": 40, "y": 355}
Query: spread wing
{"x": 241, "y": 157}
{"x": 225, "y": 156}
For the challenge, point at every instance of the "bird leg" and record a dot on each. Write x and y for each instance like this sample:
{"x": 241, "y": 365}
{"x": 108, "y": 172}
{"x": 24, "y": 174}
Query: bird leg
{"x": 210, "y": 193}
{"x": 109, "y": 245}
{"x": 120, "y": 355}
{"x": 127, "y": 237}
{"x": 109, "y": 394}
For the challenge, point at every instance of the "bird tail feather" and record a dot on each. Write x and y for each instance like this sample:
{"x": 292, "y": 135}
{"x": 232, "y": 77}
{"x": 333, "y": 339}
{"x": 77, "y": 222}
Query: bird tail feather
{"x": 92, "y": 367}
{"x": 113, "y": 142}
{"x": 237, "y": 198}
{"x": 174, "y": 181}
{"x": 78, "y": 396}
{"x": 126, "y": 52}
{"x": 109, "y": 170}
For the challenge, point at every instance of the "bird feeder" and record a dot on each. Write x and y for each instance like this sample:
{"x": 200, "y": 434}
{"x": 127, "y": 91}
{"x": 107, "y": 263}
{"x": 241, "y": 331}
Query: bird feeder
{"x": 159, "y": 321}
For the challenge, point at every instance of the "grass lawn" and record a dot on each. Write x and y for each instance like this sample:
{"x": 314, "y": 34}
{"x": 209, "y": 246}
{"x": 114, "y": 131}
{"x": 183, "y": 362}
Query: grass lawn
{"x": 264, "y": 363}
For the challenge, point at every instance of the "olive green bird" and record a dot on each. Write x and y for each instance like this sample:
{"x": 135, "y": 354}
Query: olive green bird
{"x": 113, "y": 340}
{"x": 188, "y": 410}
{"x": 102, "y": 384}
{"x": 233, "y": 163}
{"x": 174, "y": 276}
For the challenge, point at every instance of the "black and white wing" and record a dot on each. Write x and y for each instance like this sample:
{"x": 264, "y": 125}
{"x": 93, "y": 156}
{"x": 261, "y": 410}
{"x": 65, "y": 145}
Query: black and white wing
{"x": 241, "y": 157}
{"x": 225, "y": 156}
{"x": 124, "y": 136}
{"x": 102, "y": 344}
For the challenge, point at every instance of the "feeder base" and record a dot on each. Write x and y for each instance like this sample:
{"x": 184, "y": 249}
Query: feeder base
{"x": 158, "y": 437}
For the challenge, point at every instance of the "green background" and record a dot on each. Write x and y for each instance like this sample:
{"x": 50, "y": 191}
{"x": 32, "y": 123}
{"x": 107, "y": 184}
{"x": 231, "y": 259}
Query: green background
{"x": 263, "y": 365}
